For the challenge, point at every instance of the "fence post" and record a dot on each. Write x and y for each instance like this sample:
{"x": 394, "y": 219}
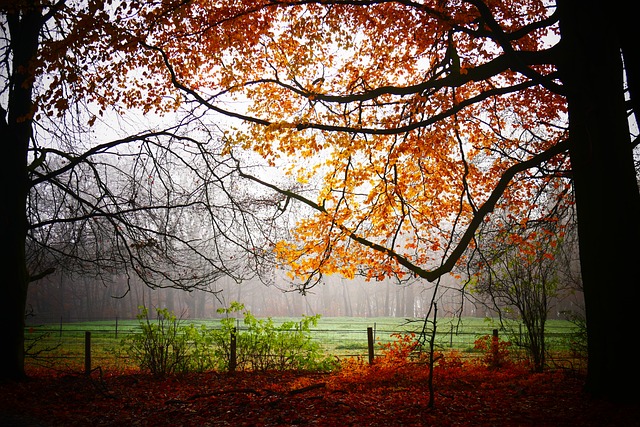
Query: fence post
{"x": 520, "y": 332}
{"x": 451, "y": 337}
{"x": 494, "y": 347}
{"x": 232, "y": 351}
{"x": 87, "y": 353}
{"x": 370, "y": 344}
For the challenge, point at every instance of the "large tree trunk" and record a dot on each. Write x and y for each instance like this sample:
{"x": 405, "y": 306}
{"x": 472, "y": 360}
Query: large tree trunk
{"x": 16, "y": 130}
{"x": 607, "y": 199}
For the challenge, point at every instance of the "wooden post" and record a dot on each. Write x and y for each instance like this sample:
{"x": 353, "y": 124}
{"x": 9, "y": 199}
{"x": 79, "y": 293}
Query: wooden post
{"x": 232, "y": 351}
{"x": 451, "y": 337}
{"x": 520, "y": 332}
{"x": 87, "y": 353}
{"x": 370, "y": 344}
{"x": 494, "y": 348}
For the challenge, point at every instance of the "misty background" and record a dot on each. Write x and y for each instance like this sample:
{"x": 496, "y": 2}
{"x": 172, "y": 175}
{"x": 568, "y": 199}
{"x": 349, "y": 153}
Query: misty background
{"x": 60, "y": 297}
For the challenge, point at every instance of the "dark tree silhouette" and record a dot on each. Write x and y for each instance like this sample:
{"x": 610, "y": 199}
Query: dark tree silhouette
{"x": 78, "y": 197}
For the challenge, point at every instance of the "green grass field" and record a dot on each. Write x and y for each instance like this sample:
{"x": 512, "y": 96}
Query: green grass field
{"x": 339, "y": 336}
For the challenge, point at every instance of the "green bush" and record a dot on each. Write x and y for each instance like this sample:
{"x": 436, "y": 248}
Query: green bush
{"x": 201, "y": 355}
{"x": 265, "y": 346}
{"x": 166, "y": 346}
{"x": 163, "y": 346}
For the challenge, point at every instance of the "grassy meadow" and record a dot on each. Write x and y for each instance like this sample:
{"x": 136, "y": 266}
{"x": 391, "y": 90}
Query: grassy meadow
{"x": 63, "y": 344}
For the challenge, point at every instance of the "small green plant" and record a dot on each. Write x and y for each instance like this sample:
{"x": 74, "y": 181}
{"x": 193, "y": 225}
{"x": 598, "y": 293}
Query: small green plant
{"x": 201, "y": 355}
{"x": 162, "y": 347}
{"x": 577, "y": 341}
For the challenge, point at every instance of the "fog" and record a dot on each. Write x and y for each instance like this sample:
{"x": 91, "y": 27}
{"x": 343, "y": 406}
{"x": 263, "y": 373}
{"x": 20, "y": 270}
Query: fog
{"x": 62, "y": 298}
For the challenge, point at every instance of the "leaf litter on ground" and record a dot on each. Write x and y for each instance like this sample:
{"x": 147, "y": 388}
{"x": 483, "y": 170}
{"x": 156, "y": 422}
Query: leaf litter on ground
{"x": 466, "y": 397}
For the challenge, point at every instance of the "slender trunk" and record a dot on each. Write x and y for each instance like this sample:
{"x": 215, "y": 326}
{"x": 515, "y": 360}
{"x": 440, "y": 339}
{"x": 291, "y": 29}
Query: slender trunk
{"x": 399, "y": 311}
{"x": 170, "y": 300}
{"x": 387, "y": 299}
{"x": 201, "y": 304}
{"x": 409, "y": 302}
{"x": 607, "y": 199}
{"x": 16, "y": 130}
{"x": 347, "y": 301}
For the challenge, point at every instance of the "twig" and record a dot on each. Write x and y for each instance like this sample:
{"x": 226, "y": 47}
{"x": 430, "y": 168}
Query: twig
{"x": 307, "y": 388}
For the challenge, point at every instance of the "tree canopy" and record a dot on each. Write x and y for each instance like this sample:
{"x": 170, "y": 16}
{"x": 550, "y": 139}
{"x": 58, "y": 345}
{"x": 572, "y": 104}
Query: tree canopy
{"x": 402, "y": 116}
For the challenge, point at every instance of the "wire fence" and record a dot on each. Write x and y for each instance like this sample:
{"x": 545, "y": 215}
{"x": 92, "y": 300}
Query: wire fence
{"x": 64, "y": 345}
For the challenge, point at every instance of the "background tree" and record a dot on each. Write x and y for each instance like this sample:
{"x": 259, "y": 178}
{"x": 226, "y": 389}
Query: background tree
{"x": 412, "y": 119}
{"x": 516, "y": 270}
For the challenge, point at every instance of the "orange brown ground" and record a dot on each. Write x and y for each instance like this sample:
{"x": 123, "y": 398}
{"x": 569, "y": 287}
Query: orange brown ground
{"x": 478, "y": 397}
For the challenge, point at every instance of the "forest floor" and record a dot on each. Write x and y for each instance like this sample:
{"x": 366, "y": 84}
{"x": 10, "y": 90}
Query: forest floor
{"x": 359, "y": 396}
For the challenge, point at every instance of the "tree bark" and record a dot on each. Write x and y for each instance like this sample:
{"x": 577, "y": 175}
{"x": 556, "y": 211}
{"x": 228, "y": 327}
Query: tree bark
{"x": 606, "y": 192}
{"x": 16, "y": 124}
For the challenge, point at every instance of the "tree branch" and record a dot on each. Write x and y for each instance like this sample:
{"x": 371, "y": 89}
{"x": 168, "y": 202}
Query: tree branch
{"x": 481, "y": 213}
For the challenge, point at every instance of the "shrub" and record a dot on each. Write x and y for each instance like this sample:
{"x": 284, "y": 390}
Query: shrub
{"x": 577, "y": 342}
{"x": 398, "y": 363}
{"x": 399, "y": 350}
{"x": 265, "y": 345}
{"x": 161, "y": 347}
{"x": 496, "y": 351}
{"x": 201, "y": 356}
{"x": 166, "y": 346}
{"x": 450, "y": 361}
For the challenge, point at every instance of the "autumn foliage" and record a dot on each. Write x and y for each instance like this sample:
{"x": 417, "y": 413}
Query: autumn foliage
{"x": 495, "y": 351}
{"x": 397, "y": 119}
{"x": 392, "y": 391}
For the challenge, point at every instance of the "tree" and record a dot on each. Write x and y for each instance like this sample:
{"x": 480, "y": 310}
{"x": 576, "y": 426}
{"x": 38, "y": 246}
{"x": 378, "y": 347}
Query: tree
{"x": 412, "y": 119}
{"x": 516, "y": 268}
{"x": 520, "y": 266}
{"x": 604, "y": 179}
{"x": 80, "y": 194}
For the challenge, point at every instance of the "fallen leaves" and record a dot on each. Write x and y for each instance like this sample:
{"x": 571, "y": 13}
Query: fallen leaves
{"x": 470, "y": 397}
